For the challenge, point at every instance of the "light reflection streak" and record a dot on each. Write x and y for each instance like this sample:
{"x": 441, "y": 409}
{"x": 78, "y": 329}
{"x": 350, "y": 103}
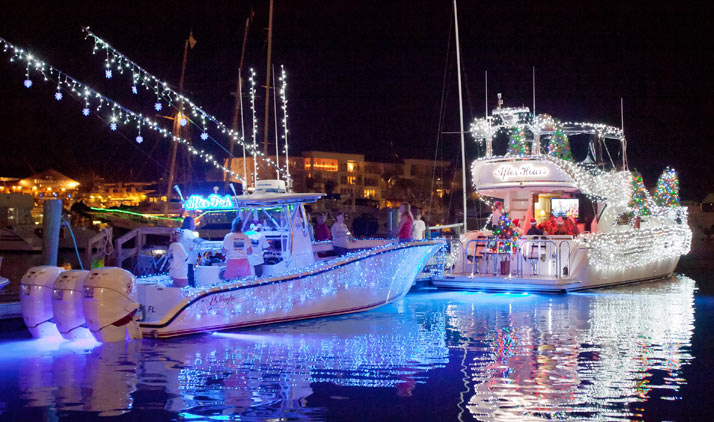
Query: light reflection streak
{"x": 594, "y": 355}
{"x": 580, "y": 356}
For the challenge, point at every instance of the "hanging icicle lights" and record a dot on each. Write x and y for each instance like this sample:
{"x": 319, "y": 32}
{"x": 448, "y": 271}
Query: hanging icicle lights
{"x": 117, "y": 114}
{"x": 163, "y": 92}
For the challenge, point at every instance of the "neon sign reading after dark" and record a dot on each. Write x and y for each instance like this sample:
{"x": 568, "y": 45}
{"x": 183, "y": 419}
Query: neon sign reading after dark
{"x": 213, "y": 202}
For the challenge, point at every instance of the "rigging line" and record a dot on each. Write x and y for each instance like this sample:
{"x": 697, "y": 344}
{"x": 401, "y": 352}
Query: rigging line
{"x": 133, "y": 143}
{"x": 167, "y": 87}
{"x": 608, "y": 153}
{"x": 442, "y": 113}
{"x": 78, "y": 97}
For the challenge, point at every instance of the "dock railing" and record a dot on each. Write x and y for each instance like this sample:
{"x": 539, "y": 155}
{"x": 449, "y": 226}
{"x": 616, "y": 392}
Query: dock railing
{"x": 99, "y": 249}
{"x": 131, "y": 245}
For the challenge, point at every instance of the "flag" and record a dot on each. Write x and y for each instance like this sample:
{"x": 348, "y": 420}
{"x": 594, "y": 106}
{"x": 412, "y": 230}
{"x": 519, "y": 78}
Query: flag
{"x": 191, "y": 40}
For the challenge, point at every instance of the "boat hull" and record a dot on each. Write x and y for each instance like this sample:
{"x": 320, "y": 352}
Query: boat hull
{"x": 589, "y": 277}
{"x": 353, "y": 283}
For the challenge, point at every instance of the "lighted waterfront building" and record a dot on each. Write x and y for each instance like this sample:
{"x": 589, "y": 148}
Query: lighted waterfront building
{"x": 114, "y": 194}
{"x": 47, "y": 184}
{"x": 424, "y": 183}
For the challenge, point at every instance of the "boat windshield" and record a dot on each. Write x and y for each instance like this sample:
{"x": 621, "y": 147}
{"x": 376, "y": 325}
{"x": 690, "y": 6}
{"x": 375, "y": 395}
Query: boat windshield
{"x": 273, "y": 219}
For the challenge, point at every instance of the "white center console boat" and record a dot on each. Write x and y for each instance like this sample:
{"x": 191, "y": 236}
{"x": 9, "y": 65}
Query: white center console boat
{"x": 294, "y": 282}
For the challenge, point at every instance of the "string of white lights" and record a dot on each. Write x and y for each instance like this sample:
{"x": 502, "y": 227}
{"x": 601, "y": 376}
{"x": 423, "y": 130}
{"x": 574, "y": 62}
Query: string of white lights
{"x": 255, "y": 126}
{"x": 284, "y": 107}
{"x": 117, "y": 61}
{"x": 115, "y": 113}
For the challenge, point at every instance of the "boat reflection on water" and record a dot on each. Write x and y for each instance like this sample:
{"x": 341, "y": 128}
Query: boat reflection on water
{"x": 266, "y": 372}
{"x": 603, "y": 354}
{"x": 580, "y": 356}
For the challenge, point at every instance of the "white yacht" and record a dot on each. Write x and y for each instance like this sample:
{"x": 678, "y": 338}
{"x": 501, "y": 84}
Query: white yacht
{"x": 573, "y": 171}
{"x": 299, "y": 280}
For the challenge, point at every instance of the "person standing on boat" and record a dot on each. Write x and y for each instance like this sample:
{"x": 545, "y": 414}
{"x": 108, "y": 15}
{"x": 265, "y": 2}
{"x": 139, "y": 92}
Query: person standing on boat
{"x": 404, "y": 228}
{"x": 340, "y": 235}
{"x": 258, "y": 243}
{"x": 237, "y": 249}
{"x": 496, "y": 214}
{"x": 190, "y": 240}
{"x": 322, "y": 232}
{"x": 178, "y": 260}
{"x": 418, "y": 227}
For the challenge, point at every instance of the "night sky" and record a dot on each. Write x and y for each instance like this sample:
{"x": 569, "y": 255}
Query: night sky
{"x": 367, "y": 76}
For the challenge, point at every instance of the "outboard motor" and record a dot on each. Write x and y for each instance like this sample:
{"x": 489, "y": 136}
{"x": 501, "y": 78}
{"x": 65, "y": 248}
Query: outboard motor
{"x": 67, "y": 304}
{"x": 110, "y": 303}
{"x": 36, "y": 300}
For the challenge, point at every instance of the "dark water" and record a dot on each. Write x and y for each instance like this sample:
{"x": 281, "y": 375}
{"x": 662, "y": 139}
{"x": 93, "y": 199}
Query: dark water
{"x": 640, "y": 352}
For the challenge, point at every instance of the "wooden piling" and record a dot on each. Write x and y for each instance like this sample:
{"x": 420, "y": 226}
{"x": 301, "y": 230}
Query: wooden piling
{"x": 51, "y": 222}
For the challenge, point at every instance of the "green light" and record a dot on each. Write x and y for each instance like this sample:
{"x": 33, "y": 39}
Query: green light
{"x": 114, "y": 210}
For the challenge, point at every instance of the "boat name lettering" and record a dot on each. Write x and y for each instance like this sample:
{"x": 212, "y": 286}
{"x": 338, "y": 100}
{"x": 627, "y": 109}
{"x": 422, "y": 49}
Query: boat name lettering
{"x": 507, "y": 171}
{"x": 213, "y": 202}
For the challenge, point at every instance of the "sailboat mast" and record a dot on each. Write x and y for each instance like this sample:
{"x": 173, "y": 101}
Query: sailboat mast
{"x": 177, "y": 131}
{"x": 238, "y": 110}
{"x": 267, "y": 80}
{"x": 461, "y": 118}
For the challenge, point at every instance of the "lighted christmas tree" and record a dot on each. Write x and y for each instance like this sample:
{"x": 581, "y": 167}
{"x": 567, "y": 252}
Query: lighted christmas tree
{"x": 667, "y": 192}
{"x": 559, "y": 145}
{"x": 638, "y": 202}
{"x": 517, "y": 144}
{"x": 506, "y": 234}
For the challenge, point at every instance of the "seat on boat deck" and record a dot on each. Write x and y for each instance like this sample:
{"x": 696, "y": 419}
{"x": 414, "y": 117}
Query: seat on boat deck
{"x": 474, "y": 251}
{"x": 535, "y": 249}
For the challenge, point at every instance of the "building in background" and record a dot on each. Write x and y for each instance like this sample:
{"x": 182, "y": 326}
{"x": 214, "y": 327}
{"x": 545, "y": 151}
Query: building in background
{"x": 47, "y": 184}
{"x": 352, "y": 181}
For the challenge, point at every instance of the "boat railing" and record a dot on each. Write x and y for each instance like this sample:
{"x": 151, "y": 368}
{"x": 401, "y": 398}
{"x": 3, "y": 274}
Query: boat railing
{"x": 130, "y": 246}
{"x": 564, "y": 271}
{"x": 534, "y": 257}
{"x": 530, "y": 251}
{"x": 478, "y": 245}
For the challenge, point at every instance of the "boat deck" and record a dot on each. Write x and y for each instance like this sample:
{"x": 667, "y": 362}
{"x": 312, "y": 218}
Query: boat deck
{"x": 498, "y": 283}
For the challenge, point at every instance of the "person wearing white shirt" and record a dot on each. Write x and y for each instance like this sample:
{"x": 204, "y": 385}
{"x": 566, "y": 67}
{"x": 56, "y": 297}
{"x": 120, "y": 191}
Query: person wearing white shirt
{"x": 340, "y": 235}
{"x": 418, "y": 227}
{"x": 178, "y": 265}
{"x": 190, "y": 240}
{"x": 258, "y": 243}
{"x": 495, "y": 220}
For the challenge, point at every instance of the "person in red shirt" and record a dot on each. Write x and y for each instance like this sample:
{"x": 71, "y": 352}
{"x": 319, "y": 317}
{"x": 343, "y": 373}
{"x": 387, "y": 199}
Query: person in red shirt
{"x": 322, "y": 232}
{"x": 404, "y": 228}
